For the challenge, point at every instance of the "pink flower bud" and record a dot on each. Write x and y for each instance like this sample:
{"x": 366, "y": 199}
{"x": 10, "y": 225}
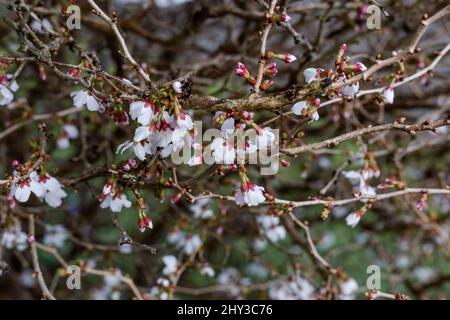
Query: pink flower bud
{"x": 285, "y": 163}
{"x": 176, "y": 198}
{"x": 132, "y": 162}
{"x": 359, "y": 67}
{"x": 144, "y": 222}
{"x": 316, "y": 102}
{"x": 420, "y": 204}
{"x": 285, "y": 18}
{"x": 288, "y": 58}
{"x": 11, "y": 201}
{"x": 272, "y": 69}
{"x": 74, "y": 73}
{"x": 266, "y": 84}
{"x": 15, "y": 163}
{"x": 242, "y": 71}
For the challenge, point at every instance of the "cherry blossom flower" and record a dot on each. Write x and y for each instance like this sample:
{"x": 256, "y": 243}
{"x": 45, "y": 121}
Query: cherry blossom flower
{"x": 22, "y": 188}
{"x": 116, "y": 202}
{"x": 184, "y": 121}
{"x": 359, "y": 181}
{"x": 249, "y": 194}
{"x": 388, "y": 94}
{"x": 353, "y": 218}
{"x": 201, "y": 209}
{"x": 171, "y": 266}
{"x": 176, "y": 237}
{"x": 223, "y": 152}
{"x": 189, "y": 243}
{"x": 113, "y": 199}
{"x": 348, "y": 289}
{"x": 55, "y": 235}
{"x": 295, "y": 288}
{"x": 302, "y": 108}
{"x": 53, "y": 192}
{"x": 113, "y": 279}
{"x": 207, "y": 270}
{"x": 45, "y": 187}
{"x": 161, "y": 291}
{"x": 177, "y": 87}
{"x": 227, "y": 128}
{"x": 14, "y": 238}
{"x": 230, "y": 276}
{"x": 265, "y": 138}
{"x": 6, "y": 96}
{"x": 41, "y": 26}
{"x": 192, "y": 244}
{"x": 7, "y": 87}
{"x": 69, "y": 132}
{"x": 312, "y": 74}
{"x": 351, "y": 90}
{"x": 165, "y": 132}
{"x": 138, "y": 148}
{"x": 271, "y": 227}
{"x": 142, "y": 111}
{"x": 83, "y": 97}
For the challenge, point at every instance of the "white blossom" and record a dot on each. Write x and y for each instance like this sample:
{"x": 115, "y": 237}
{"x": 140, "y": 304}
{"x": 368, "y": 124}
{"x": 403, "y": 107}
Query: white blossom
{"x": 265, "y": 138}
{"x": 138, "y": 149}
{"x": 55, "y": 235}
{"x": 296, "y": 288}
{"x": 191, "y": 244}
{"x": 83, "y": 97}
{"x": 311, "y": 74}
{"x": 14, "y": 238}
{"x": 69, "y": 132}
{"x": 250, "y": 194}
{"x": 171, "y": 265}
{"x": 223, "y": 152}
{"x": 388, "y": 94}
{"x": 352, "y": 219}
{"x": 348, "y": 289}
{"x": 115, "y": 202}
{"x": 142, "y": 111}
{"x": 271, "y": 227}
{"x": 7, "y": 87}
{"x": 201, "y": 210}
{"x": 301, "y": 107}
{"x": 177, "y": 87}
{"x": 207, "y": 270}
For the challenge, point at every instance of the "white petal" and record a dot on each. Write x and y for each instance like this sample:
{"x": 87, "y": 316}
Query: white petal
{"x": 139, "y": 151}
{"x": 388, "y": 95}
{"x": 141, "y": 133}
{"x": 71, "y": 130}
{"x": 136, "y": 109}
{"x": 92, "y": 103}
{"x": 79, "y": 98}
{"x": 22, "y": 193}
{"x": 227, "y": 127}
{"x": 37, "y": 188}
{"x": 6, "y": 96}
{"x": 299, "y": 107}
